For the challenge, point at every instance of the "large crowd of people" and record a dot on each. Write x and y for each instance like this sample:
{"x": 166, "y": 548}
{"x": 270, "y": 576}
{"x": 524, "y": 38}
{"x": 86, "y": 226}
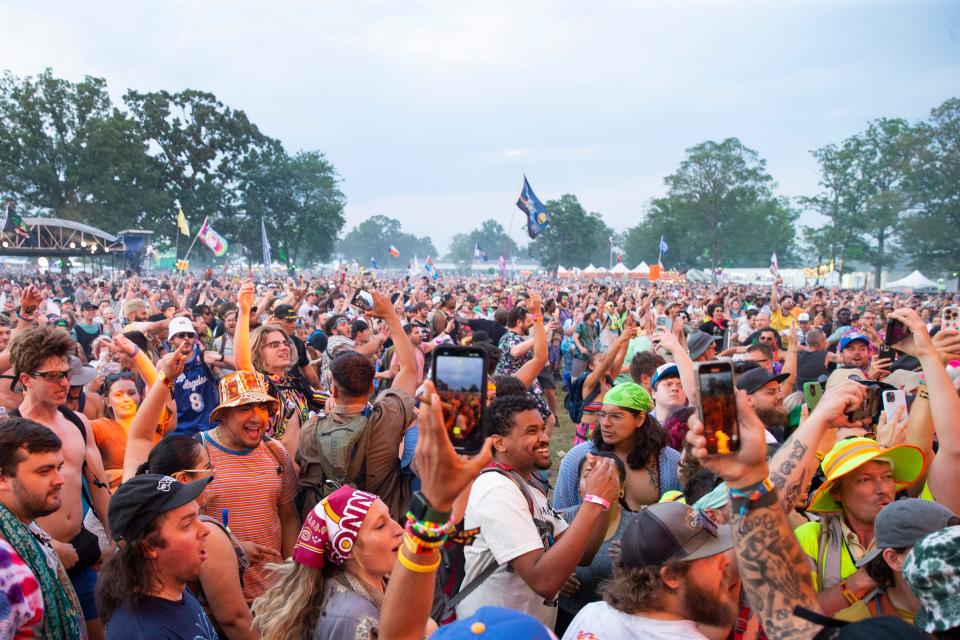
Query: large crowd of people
{"x": 205, "y": 456}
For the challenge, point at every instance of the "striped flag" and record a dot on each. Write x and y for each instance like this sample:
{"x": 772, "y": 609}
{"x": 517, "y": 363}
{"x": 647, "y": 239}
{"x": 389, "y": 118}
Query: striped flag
{"x": 394, "y": 251}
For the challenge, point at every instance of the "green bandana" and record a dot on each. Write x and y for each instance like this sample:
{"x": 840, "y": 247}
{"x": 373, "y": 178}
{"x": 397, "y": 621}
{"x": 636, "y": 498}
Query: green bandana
{"x": 629, "y": 395}
{"x": 61, "y": 617}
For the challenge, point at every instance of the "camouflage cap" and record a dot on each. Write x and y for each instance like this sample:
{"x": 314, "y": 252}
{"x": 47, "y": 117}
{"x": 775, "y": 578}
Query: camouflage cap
{"x": 932, "y": 569}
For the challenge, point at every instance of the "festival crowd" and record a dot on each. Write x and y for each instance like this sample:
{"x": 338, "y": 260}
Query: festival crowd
{"x": 207, "y": 456}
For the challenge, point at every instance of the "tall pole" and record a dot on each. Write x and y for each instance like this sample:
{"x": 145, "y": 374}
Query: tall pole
{"x": 611, "y": 252}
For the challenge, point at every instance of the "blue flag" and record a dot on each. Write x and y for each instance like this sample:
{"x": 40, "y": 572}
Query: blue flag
{"x": 373, "y": 263}
{"x": 663, "y": 245}
{"x": 537, "y": 215}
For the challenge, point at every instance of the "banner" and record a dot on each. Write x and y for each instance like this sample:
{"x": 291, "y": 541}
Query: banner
{"x": 394, "y": 251}
{"x": 537, "y": 215}
{"x": 214, "y": 241}
{"x": 267, "y": 260}
{"x": 182, "y": 223}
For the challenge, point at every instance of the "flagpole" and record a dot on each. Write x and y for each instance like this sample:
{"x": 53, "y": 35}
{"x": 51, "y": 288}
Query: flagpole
{"x": 190, "y": 248}
{"x": 660, "y": 252}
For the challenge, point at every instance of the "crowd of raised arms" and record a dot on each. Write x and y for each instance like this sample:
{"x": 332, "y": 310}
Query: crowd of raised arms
{"x": 200, "y": 457}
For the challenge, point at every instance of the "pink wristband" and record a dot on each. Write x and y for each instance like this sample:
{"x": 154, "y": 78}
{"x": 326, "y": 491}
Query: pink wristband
{"x": 597, "y": 500}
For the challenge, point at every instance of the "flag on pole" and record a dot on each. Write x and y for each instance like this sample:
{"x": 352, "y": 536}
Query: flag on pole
{"x": 663, "y": 245}
{"x": 774, "y": 266}
{"x": 431, "y": 268}
{"x": 214, "y": 241}
{"x": 267, "y": 259}
{"x": 479, "y": 254}
{"x": 182, "y": 222}
{"x": 373, "y": 263}
{"x": 537, "y": 215}
{"x": 394, "y": 251}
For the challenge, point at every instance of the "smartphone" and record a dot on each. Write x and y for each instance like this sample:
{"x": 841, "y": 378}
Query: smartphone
{"x": 950, "y": 318}
{"x": 887, "y": 352}
{"x": 812, "y": 392}
{"x": 362, "y": 300}
{"x": 460, "y": 376}
{"x": 896, "y": 331}
{"x": 870, "y": 409}
{"x": 893, "y": 399}
{"x": 718, "y": 406}
{"x": 663, "y": 323}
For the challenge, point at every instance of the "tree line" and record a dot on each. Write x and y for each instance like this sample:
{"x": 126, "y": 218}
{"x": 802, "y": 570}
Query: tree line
{"x": 68, "y": 151}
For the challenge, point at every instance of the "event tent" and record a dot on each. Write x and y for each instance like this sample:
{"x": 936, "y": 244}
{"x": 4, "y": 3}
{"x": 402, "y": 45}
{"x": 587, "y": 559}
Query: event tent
{"x": 643, "y": 267}
{"x": 915, "y": 280}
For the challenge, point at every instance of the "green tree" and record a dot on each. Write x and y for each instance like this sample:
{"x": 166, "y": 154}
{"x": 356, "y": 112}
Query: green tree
{"x": 203, "y": 148}
{"x": 66, "y": 151}
{"x": 719, "y": 211}
{"x": 300, "y": 202}
{"x": 933, "y": 185}
{"x": 372, "y": 239}
{"x": 573, "y": 238}
{"x": 490, "y": 236}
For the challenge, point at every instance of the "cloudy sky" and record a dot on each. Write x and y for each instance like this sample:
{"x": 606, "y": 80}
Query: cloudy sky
{"x": 432, "y": 111}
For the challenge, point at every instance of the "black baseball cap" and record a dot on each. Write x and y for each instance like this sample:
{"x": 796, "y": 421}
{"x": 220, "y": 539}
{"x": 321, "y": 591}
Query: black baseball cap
{"x": 284, "y": 312}
{"x": 672, "y": 532}
{"x": 139, "y": 500}
{"x": 752, "y": 380}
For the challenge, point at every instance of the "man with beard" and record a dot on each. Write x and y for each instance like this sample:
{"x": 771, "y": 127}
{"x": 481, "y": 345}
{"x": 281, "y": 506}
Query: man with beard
{"x": 525, "y": 552}
{"x": 37, "y": 596}
{"x": 675, "y": 572}
{"x": 767, "y": 399}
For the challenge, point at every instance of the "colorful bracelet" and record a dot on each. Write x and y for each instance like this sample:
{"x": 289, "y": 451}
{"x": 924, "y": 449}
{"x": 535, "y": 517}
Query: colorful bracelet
{"x": 414, "y": 567}
{"x": 417, "y": 547}
{"x": 430, "y": 531}
{"x": 742, "y": 500}
{"x": 849, "y": 595}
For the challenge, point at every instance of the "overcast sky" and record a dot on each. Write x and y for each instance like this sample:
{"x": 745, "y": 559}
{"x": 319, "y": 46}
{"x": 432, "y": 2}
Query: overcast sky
{"x": 432, "y": 111}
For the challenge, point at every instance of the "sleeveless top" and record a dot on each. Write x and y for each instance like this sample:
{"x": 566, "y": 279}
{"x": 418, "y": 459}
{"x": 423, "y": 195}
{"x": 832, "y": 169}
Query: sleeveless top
{"x": 195, "y": 393}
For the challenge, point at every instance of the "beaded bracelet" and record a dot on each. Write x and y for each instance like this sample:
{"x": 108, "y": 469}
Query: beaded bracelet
{"x": 426, "y": 530}
{"x": 417, "y": 568}
{"x": 742, "y": 499}
{"x": 418, "y": 547}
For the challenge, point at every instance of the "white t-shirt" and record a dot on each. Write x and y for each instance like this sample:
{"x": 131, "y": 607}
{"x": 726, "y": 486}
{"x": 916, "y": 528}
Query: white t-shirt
{"x": 507, "y": 531}
{"x": 600, "y": 621}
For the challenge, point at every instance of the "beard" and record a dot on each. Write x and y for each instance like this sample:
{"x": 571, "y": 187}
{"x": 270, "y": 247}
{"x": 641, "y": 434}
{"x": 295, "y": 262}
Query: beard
{"x": 704, "y": 606}
{"x": 773, "y": 417}
{"x": 35, "y": 505}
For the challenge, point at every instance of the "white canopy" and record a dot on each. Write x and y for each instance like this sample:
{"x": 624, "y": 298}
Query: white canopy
{"x": 620, "y": 268}
{"x": 643, "y": 267}
{"x": 601, "y": 270}
{"x": 915, "y": 280}
{"x": 590, "y": 268}
{"x": 560, "y": 269}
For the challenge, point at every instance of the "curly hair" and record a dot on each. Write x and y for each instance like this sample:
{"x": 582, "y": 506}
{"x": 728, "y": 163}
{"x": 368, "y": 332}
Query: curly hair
{"x": 29, "y": 349}
{"x": 635, "y": 589}
{"x": 352, "y": 373}
{"x": 128, "y": 576}
{"x": 649, "y": 441}
{"x": 499, "y": 418}
{"x": 258, "y": 338}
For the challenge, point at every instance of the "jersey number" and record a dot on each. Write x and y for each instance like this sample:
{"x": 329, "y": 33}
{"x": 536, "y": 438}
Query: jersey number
{"x": 196, "y": 402}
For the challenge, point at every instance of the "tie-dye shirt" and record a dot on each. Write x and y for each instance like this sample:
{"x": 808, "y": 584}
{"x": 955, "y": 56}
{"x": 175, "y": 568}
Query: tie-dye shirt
{"x": 21, "y": 601}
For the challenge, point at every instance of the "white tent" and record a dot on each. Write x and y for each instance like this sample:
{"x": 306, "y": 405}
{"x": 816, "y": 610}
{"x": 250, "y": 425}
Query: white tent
{"x": 643, "y": 267}
{"x": 602, "y": 270}
{"x": 560, "y": 269}
{"x": 620, "y": 268}
{"x": 915, "y": 280}
{"x": 590, "y": 269}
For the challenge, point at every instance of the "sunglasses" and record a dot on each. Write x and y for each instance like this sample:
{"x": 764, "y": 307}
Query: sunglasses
{"x": 183, "y": 335}
{"x": 50, "y": 376}
{"x": 276, "y": 344}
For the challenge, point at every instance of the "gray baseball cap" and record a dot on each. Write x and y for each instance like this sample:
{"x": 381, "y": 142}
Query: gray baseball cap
{"x": 903, "y": 523}
{"x": 672, "y": 532}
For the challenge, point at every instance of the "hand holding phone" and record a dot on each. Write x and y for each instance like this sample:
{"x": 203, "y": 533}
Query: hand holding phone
{"x": 363, "y": 300}
{"x": 460, "y": 376}
{"x": 950, "y": 318}
{"x": 718, "y": 406}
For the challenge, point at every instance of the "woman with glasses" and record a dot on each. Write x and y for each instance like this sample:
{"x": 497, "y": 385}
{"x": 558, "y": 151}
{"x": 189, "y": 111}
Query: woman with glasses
{"x": 185, "y": 459}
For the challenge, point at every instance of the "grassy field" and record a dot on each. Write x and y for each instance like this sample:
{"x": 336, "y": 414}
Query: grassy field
{"x": 562, "y": 439}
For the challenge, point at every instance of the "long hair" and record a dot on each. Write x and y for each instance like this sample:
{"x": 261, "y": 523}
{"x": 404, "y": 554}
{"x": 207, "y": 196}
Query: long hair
{"x": 258, "y": 338}
{"x": 129, "y": 576}
{"x": 636, "y": 589}
{"x": 650, "y": 439}
{"x": 172, "y": 454}
{"x": 290, "y": 608}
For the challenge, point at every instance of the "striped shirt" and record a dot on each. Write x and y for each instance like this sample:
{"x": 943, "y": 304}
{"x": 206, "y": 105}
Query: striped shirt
{"x": 251, "y": 485}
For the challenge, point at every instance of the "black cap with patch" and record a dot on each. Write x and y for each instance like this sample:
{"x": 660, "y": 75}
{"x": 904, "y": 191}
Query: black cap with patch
{"x": 139, "y": 500}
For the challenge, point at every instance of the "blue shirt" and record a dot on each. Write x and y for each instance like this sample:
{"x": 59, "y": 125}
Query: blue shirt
{"x": 161, "y": 619}
{"x": 195, "y": 393}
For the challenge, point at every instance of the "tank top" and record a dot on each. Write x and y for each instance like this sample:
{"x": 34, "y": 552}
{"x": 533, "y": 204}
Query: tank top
{"x": 195, "y": 394}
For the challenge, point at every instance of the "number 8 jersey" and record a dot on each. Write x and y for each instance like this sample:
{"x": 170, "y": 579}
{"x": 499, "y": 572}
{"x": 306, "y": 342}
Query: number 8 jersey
{"x": 195, "y": 393}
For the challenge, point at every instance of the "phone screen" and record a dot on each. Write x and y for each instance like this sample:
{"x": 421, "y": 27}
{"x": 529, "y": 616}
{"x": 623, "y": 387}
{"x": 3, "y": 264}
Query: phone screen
{"x": 896, "y": 331}
{"x": 363, "y": 300}
{"x": 718, "y": 407}
{"x": 459, "y": 373}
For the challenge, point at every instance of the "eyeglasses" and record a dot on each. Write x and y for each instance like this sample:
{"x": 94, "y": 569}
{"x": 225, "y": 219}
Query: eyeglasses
{"x": 616, "y": 417}
{"x": 208, "y": 470}
{"x": 183, "y": 335}
{"x": 50, "y": 376}
{"x": 276, "y": 344}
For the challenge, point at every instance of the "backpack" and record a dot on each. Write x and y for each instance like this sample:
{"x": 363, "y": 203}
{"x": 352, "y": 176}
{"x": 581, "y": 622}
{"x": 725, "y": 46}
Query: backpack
{"x": 449, "y": 590}
{"x": 332, "y": 453}
{"x": 574, "y": 401}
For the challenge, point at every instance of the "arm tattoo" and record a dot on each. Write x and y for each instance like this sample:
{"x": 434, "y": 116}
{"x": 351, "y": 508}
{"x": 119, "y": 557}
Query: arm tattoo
{"x": 774, "y": 572}
{"x": 785, "y": 476}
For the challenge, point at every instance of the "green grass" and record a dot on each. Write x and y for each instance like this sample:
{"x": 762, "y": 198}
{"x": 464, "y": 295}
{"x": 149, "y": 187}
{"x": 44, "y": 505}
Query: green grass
{"x": 562, "y": 439}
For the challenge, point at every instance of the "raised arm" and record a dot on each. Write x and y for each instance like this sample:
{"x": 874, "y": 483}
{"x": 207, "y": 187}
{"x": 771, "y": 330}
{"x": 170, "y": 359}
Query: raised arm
{"x": 140, "y": 360}
{"x": 688, "y": 378}
{"x": 241, "y": 335}
{"x": 406, "y": 379}
{"x": 790, "y": 359}
{"x": 531, "y": 369}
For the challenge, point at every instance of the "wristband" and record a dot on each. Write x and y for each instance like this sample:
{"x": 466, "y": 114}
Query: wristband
{"x": 758, "y": 495}
{"x": 25, "y": 317}
{"x": 414, "y": 567}
{"x": 850, "y": 596}
{"x": 418, "y": 546}
{"x": 603, "y": 502}
{"x": 136, "y": 350}
{"x": 162, "y": 379}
